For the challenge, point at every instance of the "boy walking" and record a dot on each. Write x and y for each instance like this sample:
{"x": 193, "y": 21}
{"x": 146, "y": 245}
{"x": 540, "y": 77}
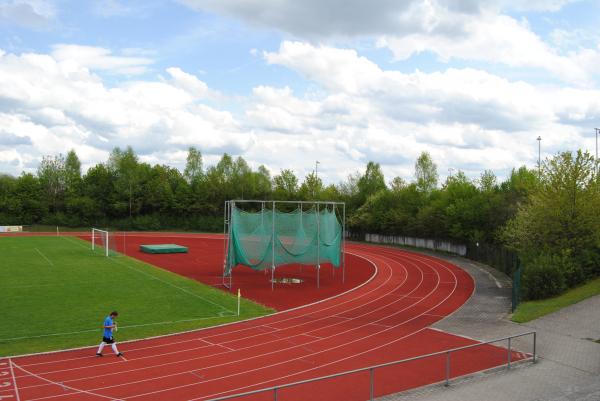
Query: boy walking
{"x": 107, "y": 336}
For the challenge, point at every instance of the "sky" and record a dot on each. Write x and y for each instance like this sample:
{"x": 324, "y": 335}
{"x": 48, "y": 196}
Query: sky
{"x": 284, "y": 83}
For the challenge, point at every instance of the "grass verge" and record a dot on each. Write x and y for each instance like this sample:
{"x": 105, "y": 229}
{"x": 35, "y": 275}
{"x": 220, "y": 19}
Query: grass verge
{"x": 530, "y": 310}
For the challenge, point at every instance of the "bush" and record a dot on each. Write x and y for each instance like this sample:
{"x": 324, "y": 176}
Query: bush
{"x": 589, "y": 260}
{"x": 574, "y": 274}
{"x": 543, "y": 277}
{"x": 147, "y": 222}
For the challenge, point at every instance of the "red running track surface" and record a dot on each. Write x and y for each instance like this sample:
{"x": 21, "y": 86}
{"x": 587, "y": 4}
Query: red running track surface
{"x": 382, "y": 320}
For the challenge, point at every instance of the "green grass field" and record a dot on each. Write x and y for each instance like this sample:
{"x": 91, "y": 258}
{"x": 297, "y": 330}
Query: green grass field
{"x": 530, "y": 310}
{"x": 55, "y": 293}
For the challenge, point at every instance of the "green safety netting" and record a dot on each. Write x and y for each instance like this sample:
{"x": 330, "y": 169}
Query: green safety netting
{"x": 308, "y": 237}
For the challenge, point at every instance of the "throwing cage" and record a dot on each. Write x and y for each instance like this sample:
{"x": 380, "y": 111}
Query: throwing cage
{"x": 267, "y": 234}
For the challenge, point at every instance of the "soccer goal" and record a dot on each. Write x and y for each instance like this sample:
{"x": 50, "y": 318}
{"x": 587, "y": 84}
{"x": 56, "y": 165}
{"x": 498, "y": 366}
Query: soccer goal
{"x": 266, "y": 234}
{"x": 102, "y": 242}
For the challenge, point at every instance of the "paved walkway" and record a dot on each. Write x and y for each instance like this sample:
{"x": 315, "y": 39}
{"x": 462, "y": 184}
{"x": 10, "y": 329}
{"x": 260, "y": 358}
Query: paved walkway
{"x": 569, "y": 364}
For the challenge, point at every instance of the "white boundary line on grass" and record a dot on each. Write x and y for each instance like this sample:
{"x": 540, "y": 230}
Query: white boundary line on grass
{"x": 44, "y": 256}
{"x": 159, "y": 279}
{"x": 122, "y": 327}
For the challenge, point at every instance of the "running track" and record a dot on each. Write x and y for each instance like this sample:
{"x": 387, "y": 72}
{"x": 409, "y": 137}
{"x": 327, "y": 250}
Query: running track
{"x": 384, "y": 319}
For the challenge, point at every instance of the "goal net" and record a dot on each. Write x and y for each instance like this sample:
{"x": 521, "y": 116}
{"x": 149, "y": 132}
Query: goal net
{"x": 103, "y": 242}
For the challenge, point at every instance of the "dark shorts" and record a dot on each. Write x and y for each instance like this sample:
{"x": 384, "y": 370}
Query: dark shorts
{"x": 108, "y": 340}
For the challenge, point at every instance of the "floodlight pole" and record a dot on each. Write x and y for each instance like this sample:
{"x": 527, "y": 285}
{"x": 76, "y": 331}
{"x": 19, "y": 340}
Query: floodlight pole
{"x": 318, "y": 244}
{"x": 596, "y": 160}
{"x": 316, "y": 179}
{"x": 273, "y": 246}
{"x": 539, "y": 139}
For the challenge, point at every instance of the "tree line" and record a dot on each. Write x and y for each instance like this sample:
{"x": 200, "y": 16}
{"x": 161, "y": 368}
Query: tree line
{"x": 545, "y": 215}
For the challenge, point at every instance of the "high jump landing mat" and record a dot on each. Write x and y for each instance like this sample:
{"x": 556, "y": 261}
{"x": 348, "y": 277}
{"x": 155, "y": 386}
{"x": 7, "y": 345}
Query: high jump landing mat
{"x": 163, "y": 248}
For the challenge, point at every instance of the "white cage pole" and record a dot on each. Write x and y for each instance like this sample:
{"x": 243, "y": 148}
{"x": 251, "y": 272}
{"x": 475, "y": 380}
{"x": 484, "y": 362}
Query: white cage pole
{"x": 344, "y": 243}
{"x": 231, "y": 207}
{"x": 224, "y": 241}
{"x": 318, "y": 245}
{"x": 302, "y": 228}
{"x": 227, "y": 242}
{"x": 273, "y": 246}
{"x": 93, "y": 239}
{"x": 334, "y": 211}
{"x": 262, "y": 222}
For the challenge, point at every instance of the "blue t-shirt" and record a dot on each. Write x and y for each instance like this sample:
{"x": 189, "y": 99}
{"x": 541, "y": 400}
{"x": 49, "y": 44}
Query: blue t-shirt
{"x": 108, "y": 322}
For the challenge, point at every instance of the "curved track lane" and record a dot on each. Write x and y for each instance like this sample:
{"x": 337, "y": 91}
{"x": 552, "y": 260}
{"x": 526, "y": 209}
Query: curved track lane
{"x": 383, "y": 320}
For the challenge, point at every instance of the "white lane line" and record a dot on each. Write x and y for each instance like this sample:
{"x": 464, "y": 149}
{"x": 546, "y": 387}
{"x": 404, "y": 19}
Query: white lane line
{"x": 453, "y": 289}
{"x": 304, "y": 345}
{"x": 305, "y": 356}
{"x": 332, "y": 362}
{"x": 418, "y": 287}
{"x": 313, "y": 336}
{"x": 257, "y": 356}
{"x": 218, "y": 345}
{"x": 45, "y": 257}
{"x": 61, "y": 384}
{"x": 436, "y": 273}
{"x": 12, "y": 373}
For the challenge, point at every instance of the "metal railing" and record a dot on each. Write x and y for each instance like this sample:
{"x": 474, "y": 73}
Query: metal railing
{"x": 371, "y": 369}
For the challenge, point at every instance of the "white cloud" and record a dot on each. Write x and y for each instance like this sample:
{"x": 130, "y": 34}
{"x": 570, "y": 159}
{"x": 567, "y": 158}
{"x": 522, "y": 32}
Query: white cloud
{"x": 60, "y": 105}
{"x": 495, "y": 39}
{"x": 188, "y": 82}
{"x": 36, "y": 14}
{"x": 471, "y": 30}
{"x": 98, "y": 58}
{"x": 356, "y": 111}
{"x": 467, "y": 118}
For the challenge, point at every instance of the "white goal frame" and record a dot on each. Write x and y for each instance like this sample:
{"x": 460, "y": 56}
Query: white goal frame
{"x": 100, "y": 233}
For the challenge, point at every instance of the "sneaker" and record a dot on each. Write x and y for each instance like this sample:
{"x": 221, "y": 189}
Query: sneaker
{"x": 120, "y": 354}
{"x": 98, "y": 354}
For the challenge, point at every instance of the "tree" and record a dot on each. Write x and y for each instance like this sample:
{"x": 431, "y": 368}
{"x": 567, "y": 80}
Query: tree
{"x": 263, "y": 187}
{"x": 51, "y": 175}
{"x": 398, "y": 184}
{"x": 72, "y": 172}
{"x": 426, "y": 173}
{"x": 487, "y": 181}
{"x": 30, "y": 194}
{"x": 371, "y": 182}
{"x": 311, "y": 187}
{"x": 285, "y": 185}
{"x": 99, "y": 188}
{"x": 125, "y": 165}
{"x": 193, "y": 168}
{"x": 562, "y": 212}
